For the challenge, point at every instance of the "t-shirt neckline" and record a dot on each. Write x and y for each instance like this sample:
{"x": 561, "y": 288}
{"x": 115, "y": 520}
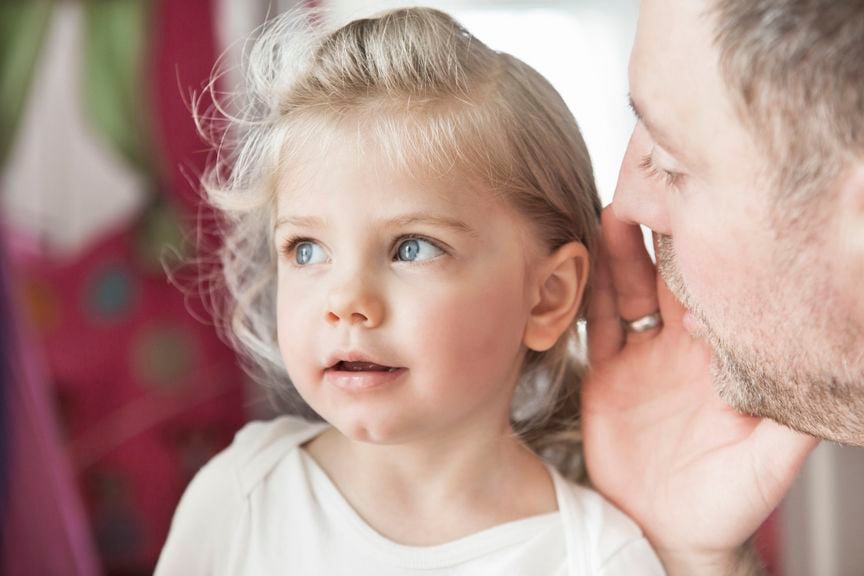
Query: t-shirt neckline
{"x": 444, "y": 555}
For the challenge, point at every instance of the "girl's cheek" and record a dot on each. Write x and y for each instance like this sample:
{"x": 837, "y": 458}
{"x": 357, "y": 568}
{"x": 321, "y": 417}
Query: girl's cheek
{"x": 294, "y": 323}
{"x": 473, "y": 325}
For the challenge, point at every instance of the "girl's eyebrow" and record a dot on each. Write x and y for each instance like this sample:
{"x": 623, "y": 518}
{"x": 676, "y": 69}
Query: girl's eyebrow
{"x": 430, "y": 219}
{"x": 299, "y": 222}
{"x": 396, "y": 222}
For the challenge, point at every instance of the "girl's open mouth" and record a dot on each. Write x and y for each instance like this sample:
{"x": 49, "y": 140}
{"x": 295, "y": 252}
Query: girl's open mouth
{"x": 362, "y": 376}
{"x": 343, "y": 366}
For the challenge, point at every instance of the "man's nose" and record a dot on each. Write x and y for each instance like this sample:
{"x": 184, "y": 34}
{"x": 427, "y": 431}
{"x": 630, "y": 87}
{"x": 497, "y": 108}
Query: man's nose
{"x": 355, "y": 301}
{"x": 639, "y": 197}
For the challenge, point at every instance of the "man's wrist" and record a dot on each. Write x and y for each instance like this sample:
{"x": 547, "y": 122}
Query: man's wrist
{"x": 743, "y": 561}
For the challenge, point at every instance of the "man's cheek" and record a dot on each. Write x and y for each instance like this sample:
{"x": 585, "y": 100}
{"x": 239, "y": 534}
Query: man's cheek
{"x": 717, "y": 278}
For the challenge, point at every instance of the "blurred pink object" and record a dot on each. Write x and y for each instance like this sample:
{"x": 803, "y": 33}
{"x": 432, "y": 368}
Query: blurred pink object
{"x": 44, "y": 530}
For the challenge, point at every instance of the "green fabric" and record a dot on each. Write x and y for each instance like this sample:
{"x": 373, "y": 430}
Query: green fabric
{"x": 23, "y": 25}
{"x": 116, "y": 93}
{"x": 119, "y": 106}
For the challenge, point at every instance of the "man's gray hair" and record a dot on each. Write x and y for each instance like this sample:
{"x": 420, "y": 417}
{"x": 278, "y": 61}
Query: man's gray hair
{"x": 796, "y": 68}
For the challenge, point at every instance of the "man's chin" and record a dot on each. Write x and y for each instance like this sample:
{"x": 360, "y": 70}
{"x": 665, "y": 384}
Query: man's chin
{"x": 811, "y": 407}
{"x": 754, "y": 383}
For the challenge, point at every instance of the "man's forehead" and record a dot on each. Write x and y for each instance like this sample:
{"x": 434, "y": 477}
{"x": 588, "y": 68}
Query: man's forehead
{"x": 674, "y": 81}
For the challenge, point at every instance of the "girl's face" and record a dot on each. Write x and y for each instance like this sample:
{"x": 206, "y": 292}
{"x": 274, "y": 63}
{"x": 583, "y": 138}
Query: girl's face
{"x": 402, "y": 303}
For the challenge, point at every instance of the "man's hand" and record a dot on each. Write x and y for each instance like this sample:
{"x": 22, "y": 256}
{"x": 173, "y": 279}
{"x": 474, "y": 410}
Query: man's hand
{"x": 698, "y": 477}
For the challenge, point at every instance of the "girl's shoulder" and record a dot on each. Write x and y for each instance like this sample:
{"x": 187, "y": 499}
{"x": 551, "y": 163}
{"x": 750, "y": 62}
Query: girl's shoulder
{"x": 598, "y": 515}
{"x": 259, "y": 446}
{"x": 603, "y": 539}
{"x": 216, "y": 500}
{"x": 254, "y": 452}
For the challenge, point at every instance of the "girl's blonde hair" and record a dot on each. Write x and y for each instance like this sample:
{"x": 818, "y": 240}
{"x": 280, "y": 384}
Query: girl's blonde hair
{"x": 434, "y": 98}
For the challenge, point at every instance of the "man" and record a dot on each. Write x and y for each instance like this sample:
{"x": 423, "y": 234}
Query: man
{"x": 747, "y": 162}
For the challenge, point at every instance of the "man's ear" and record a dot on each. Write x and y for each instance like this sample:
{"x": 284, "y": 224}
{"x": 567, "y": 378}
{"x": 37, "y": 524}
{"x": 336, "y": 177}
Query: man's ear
{"x": 557, "y": 291}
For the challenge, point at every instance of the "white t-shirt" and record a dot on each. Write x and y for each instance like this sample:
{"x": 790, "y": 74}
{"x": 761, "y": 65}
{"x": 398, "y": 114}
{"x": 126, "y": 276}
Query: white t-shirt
{"x": 263, "y": 506}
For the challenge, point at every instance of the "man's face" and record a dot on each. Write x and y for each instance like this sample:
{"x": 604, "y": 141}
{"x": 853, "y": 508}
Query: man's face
{"x": 772, "y": 287}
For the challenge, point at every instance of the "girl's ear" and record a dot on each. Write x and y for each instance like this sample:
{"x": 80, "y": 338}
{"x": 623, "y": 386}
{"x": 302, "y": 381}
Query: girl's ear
{"x": 558, "y": 289}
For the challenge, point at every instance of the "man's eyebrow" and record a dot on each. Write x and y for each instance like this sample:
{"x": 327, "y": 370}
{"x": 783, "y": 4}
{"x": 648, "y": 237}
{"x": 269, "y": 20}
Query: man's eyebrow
{"x": 401, "y": 221}
{"x": 656, "y": 133}
{"x": 635, "y": 108}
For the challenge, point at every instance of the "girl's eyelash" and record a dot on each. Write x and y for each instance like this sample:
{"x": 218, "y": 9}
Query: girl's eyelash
{"x": 401, "y": 239}
{"x": 289, "y": 244}
{"x": 648, "y": 167}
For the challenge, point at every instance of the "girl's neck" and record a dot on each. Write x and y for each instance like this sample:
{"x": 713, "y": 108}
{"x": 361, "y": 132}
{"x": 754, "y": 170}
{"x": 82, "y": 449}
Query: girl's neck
{"x": 436, "y": 490}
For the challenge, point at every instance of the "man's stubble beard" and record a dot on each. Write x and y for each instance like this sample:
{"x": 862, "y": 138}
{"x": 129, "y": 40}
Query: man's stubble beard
{"x": 816, "y": 402}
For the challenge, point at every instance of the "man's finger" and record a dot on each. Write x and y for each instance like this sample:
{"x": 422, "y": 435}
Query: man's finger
{"x": 633, "y": 275}
{"x": 781, "y": 452}
{"x": 605, "y": 333}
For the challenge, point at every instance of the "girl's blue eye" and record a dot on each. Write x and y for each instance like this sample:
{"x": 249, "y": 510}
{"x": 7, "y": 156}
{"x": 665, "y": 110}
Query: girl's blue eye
{"x": 417, "y": 250}
{"x": 309, "y": 253}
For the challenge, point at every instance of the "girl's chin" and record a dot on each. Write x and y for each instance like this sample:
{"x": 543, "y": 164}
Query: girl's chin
{"x": 375, "y": 429}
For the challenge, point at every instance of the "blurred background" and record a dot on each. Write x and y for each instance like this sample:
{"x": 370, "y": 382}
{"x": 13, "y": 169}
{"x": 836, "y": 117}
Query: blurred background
{"x": 114, "y": 388}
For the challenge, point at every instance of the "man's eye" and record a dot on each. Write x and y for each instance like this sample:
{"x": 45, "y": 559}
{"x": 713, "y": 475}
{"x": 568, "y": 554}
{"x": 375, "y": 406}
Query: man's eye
{"x": 307, "y": 252}
{"x": 417, "y": 250}
{"x": 653, "y": 171}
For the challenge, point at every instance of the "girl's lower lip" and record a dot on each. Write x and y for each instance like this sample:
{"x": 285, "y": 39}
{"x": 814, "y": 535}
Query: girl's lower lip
{"x": 360, "y": 381}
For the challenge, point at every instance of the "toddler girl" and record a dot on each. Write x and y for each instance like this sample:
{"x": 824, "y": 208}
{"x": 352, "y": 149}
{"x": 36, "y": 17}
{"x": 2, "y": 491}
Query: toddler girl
{"x": 409, "y": 221}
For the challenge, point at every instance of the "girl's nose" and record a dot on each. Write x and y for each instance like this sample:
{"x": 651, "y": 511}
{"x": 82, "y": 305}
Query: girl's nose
{"x": 355, "y": 303}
